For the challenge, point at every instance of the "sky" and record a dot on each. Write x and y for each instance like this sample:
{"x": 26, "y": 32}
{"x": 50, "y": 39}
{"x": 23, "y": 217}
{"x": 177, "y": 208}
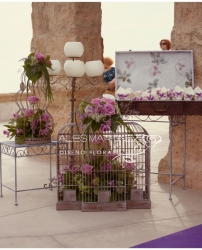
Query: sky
{"x": 137, "y": 26}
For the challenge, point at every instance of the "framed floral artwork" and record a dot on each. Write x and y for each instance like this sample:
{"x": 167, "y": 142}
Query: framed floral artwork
{"x": 142, "y": 70}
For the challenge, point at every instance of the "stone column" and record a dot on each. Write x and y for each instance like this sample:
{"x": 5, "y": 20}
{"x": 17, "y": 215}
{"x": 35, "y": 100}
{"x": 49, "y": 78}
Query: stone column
{"x": 54, "y": 24}
{"x": 187, "y": 35}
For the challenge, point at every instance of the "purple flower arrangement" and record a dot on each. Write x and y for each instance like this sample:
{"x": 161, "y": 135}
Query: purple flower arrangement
{"x": 102, "y": 172}
{"x": 101, "y": 114}
{"x": 35, "y": 67}
{"x": 32, "y": 122}
{"x": 99, "y": 168}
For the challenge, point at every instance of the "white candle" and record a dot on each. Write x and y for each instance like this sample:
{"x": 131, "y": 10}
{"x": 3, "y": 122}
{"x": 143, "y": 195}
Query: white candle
{"x": 74, "y": 68}
{"x": 73, "y": 49}
{"x": 56, "y": 68}
{"x": 94, "y": 68}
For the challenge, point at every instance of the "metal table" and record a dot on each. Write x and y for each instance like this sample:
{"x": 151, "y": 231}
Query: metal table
{"x": 173, "y": 121}
{"x": 177, "y": 112}
{"x": 14, "y": 150}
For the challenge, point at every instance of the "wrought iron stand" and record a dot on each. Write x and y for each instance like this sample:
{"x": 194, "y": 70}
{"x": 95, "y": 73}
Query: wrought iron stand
{"x": 174, "y": 120}
{"x": 14, "y": 150}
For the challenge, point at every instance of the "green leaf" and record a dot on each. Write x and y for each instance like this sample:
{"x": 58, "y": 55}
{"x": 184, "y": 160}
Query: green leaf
{"x": 95, "y": 191}
{"x": 153, "y": 55}
{"x": 113, "y": 196}
{"x": 48, "y": 87}
{"x": 82, "y": 106}
{"x": 113, "y": 127}
{"x": 87, "y": 131}
{"x": 31, "y": 55}
{"x": 119, "y": 72}
{"x": 95, "y": 126}
{"x": 20, "y": 139}
{"x": 9, "y": 126}
{"x": 31, "y": 74}
{"x": 47, "y": 58}
{"x": 48, "y": 65}
{"x": 163, "y": 61}
{"x": 12, "y": 130}
{"x": 155, "y": 61}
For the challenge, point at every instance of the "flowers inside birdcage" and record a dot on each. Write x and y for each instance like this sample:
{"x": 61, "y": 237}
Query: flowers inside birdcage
{"x": 30, "y": 122}
{"x": 36, "y": 66}
{"x": 101, "y": 114}
{"x": 101, "y": 172}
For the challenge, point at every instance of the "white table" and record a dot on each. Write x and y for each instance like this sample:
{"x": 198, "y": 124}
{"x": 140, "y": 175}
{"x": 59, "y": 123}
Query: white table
{"x": 16, "y": 151}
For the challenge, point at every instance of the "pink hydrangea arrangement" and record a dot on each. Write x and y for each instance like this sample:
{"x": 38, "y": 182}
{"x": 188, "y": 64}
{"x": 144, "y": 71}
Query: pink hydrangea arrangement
{"x": 32, "y": 122}
{"x": 35, "y": 66}
{"x": 101, "y": 114}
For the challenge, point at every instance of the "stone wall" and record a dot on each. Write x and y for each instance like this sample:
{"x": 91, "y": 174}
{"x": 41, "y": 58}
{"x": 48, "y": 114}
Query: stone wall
{"x": 8, "y": 106}
{"x": 187, "y": 35}
{"x": 54, "y": 24}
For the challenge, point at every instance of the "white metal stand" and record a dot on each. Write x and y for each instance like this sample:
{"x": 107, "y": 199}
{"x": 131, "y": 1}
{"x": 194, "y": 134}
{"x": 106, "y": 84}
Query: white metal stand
{"x": 174, "y": 120}
{"x": 14, "y": 150}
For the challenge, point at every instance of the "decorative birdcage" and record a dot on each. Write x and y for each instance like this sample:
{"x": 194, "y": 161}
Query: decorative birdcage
{"x": 103, "y": 171}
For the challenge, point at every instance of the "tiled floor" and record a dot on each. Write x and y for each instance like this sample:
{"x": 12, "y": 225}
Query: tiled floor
{"x": 36, "y": 223}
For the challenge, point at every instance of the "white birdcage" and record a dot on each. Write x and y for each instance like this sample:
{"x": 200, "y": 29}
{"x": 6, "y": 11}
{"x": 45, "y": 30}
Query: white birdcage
{"x": 110, "y": 171}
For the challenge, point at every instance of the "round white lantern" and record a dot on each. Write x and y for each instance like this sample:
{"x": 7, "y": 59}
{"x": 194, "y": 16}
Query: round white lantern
{"x": 94, "y": 68}
{"x": 73, "y": 49}
{"x": 56, "y": 68}
{"x": 74, "y": 68}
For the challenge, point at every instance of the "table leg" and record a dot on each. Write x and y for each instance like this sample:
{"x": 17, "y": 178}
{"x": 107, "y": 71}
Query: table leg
{"x": 16, "y": 201}
{"x": 50, "y": 184}
{"x": 184, "y": 164}
{"x": 171, "y": 157}
{"x": 1, "y": 195}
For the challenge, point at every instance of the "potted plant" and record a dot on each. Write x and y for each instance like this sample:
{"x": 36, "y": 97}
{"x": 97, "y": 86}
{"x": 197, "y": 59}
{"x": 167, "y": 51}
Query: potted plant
{"x": 103, "y": 173}
{"x": 30, "y": 125}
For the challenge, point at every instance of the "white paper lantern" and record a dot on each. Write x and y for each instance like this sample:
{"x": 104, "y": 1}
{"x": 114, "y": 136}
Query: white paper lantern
{"x": 94, "y": 68}
{"x": 73, "y": 49}
{"x": 56, "y": 68}
{"x": 74, "y": 68}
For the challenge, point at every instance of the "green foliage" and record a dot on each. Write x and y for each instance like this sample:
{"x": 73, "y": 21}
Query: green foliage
{"x": 35, "y": 69}
{"x": 87, "y": 186}
{"x": 101, "y": 114}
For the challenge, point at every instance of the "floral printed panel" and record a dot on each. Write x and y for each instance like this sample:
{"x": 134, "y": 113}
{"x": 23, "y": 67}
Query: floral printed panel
{"x": 142, "y": 70}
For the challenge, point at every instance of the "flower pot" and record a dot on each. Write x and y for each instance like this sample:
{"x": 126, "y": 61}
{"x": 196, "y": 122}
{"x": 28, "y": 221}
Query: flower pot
{"x": 104, "y": 195}
{"x": 136, "y": 194}
{"x": 69, "y": 195}
{"x": 30, "y": 140}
